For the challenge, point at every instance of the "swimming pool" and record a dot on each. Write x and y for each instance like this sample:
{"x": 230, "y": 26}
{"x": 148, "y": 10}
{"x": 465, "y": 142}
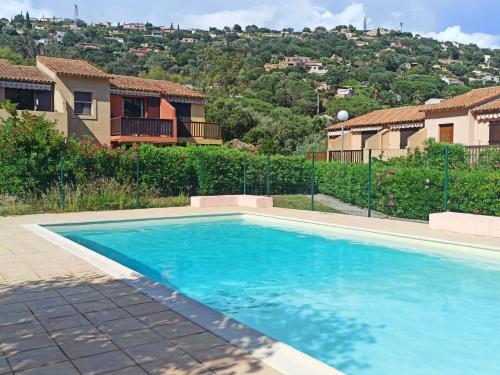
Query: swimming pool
{"x": 365, "y": 305}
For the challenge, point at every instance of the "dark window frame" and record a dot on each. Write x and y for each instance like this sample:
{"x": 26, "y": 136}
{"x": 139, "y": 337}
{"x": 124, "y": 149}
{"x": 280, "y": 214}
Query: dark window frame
{"x": 80, "y": 104}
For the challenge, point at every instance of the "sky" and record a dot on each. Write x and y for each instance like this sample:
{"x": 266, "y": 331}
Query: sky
{"x": 464, "y": 21}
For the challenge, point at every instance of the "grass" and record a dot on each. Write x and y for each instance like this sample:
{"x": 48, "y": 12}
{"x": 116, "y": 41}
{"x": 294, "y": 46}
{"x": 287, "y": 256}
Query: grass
{"x": 96, "y": 196}
{"x": 300, "y": 202}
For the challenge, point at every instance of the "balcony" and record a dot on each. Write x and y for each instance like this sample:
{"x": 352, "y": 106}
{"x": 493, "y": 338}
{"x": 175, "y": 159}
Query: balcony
{"x": 201, "y": 132}
{"x": 136, "y": 129}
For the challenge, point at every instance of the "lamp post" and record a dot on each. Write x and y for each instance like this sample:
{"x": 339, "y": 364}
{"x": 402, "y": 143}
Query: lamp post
{"x": 342, "y": 116}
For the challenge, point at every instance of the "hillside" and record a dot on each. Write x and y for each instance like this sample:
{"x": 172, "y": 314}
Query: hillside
{"x": 266, "y": 86}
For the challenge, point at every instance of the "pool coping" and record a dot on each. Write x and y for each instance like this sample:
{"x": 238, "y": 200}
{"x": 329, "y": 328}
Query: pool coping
{"x": 284, "y": 358}
{"x": 272, "y": 352}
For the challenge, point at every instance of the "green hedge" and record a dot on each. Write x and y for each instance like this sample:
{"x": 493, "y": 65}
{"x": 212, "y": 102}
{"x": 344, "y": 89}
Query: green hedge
{"x": 30, "y": 150}
{"x": 412, "y": 192}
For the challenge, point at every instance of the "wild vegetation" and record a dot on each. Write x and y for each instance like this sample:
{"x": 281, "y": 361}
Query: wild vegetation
{"x": 277, "y": 109}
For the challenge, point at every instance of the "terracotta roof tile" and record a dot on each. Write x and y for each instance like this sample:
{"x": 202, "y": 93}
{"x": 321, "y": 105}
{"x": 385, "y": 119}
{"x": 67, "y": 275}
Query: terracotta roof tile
{"x": 383, "y": 117}
{"x": 466, "y": 101}
{"x": 153, "y": 85}
{"x": 21, "y": 73}
{"x": 69, "y": 67}
{"x": 493, "y": 106}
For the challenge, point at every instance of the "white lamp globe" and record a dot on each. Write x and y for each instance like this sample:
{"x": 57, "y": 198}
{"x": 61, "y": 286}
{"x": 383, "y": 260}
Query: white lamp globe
{"x": 343, "y": 116}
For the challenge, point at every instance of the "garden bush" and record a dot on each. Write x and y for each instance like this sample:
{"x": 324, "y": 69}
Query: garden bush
{"x": 30, "y": 162}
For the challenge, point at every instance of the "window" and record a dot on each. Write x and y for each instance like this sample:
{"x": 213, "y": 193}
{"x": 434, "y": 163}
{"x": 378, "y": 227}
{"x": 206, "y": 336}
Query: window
{"x": 133, "y": 107}
{"x": 25, "y": 99}
{"x": 83, "y": 103}
{"x": 494, "y": 133}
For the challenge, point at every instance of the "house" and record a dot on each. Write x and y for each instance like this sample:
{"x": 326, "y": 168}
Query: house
{"x": 470, "y": 119}
{"x": 451, "y": 81}
{"x": 312, "y": 66}
{"x": 111, "y": 110}
{"x": 90, "y": 46}
{"x": 378, "y": 31}
{"x": 134, "y": 26}
{"x": 321, "y": 86}
{"x": 59, "y": 35}
{"x": 397, "y": 44}
{"x": 490, "y": 78}
{"x": 343, "y": 92}
{"x": 361, "y": 43}
{"x": 103, "y": 24}
{"x": 187, "y": 40}
{"x": 156, "y": 34}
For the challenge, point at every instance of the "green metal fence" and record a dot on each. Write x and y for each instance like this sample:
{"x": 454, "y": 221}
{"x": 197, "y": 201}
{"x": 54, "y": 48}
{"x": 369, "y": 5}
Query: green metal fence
{"x": 408, "y": 187}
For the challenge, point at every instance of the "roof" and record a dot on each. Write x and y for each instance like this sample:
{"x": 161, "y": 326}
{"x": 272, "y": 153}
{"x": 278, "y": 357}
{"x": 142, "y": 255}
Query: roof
{"x": 153, "y": 85}
{"x": 466, "y": 101}
{"x": 381, "y": 117}
{"x": 493, "y": 106}
{"x": 21, "y": 73}
{"x": 79, "y": 68}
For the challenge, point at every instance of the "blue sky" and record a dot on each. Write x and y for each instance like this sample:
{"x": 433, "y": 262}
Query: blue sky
{"x": 457, "y": 20}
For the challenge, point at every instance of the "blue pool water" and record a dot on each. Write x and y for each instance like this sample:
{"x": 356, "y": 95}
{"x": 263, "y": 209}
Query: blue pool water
{"x": 362, "y": 307}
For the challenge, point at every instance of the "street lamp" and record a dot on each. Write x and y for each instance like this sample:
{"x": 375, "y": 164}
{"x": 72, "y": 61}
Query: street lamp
{"x": 342, "y": 116}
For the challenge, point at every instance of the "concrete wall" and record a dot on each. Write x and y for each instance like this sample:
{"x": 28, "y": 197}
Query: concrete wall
{"x": 418, "y": 139}
{"x": 60, "y": 119}
{"x": 352, "y": 141}
{"x": 96, "y": 126}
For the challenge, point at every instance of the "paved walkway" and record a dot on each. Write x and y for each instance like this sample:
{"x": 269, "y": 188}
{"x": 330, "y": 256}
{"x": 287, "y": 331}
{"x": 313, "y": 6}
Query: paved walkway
{"x": 61, "y": 315}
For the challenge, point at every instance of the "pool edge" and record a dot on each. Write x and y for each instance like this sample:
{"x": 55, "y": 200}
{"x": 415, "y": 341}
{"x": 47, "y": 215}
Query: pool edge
{"x": 284, "y": 358}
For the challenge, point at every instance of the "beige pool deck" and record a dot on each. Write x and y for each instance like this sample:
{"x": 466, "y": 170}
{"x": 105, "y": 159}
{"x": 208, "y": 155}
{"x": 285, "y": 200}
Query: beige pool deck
{"x": 60, "y": 314}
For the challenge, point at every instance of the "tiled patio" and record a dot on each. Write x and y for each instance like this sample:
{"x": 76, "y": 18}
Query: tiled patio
{"x": 60, "y": 315}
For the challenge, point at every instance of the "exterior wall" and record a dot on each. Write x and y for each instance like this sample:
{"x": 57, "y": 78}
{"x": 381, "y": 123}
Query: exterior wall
{"x": 464, "y": 126}
{"x": 418, "y": 139}
{"x": 375, "y": 141}
{"x": 116, "y": 105}
{"x": 483, "y": 133}
{"x": 2, "y": 94}
{"x": 97, "y": 126}
{"x": 167, "y": 111}
{"x": 352, "y": 141}
{"x": 197, "y": 113}
{"x": 391, "y": 139}
{"x": 61, "y": 119}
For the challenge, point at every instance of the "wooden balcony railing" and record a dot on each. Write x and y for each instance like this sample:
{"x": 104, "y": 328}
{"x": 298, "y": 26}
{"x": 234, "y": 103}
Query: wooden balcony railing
{"x": 350, "y": 156}
{"x": 196, "y": 129}
{"x": 475, "y": 151}
{"x": 151, "y": 127}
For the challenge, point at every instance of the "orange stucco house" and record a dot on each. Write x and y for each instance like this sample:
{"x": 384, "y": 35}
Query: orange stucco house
{"x": 109, "y": 109}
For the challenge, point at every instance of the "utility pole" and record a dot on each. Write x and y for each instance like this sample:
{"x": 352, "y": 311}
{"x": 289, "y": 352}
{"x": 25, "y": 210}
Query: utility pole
{"x": 317, "y": 104}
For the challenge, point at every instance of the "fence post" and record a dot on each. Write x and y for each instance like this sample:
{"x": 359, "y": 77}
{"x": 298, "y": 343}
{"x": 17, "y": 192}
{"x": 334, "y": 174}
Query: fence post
{"x": 137, "y": 182}
{"x": 445, "y": 192}
{"x": 370, "y": 182}
{"x": 61, "y": 179}
{"x": 245, "y": 178}
{"x": 268, "y": 161}
{"x": 313, "y": 175}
